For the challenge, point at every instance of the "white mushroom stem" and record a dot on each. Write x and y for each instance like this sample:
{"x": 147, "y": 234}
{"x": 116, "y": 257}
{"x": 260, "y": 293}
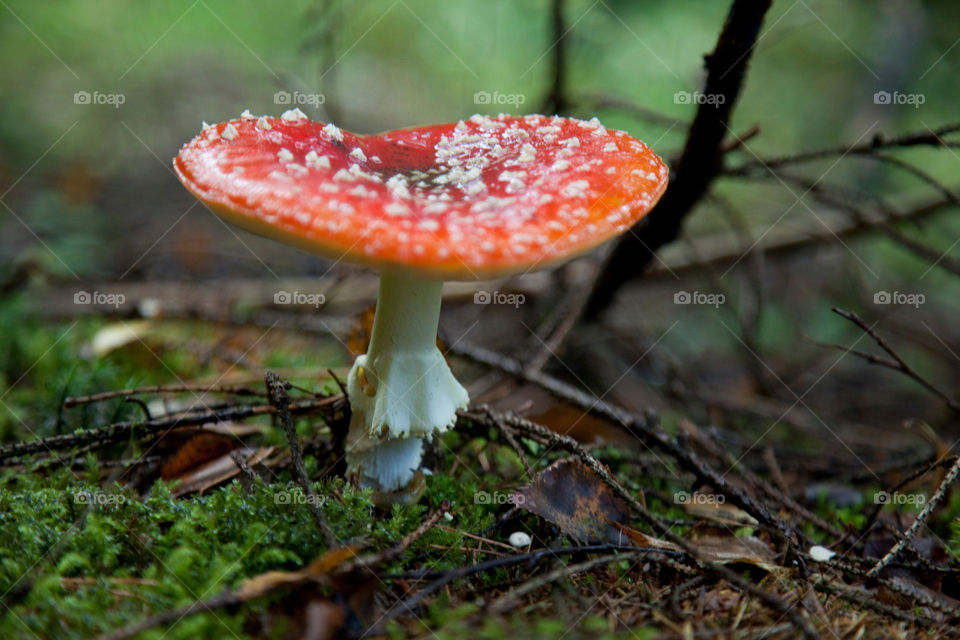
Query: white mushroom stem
{"x": 401, "y": 391}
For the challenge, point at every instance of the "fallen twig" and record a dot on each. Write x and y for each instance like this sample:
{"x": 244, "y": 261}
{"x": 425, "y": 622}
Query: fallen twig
{"x": 919, "y": 522}
{"x": 277, "y": 392}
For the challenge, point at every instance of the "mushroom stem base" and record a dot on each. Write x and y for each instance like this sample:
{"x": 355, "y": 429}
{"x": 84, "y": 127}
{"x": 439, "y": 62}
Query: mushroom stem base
{"x": 401, "y": 391}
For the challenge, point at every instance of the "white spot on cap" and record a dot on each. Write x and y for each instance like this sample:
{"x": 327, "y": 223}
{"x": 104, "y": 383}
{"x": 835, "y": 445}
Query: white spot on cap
{"x": 296, "y": 168}
{"x": 279, "y": 175}
{"x": 229, "y": 132}
{"x": 344, "y": 175}
{"x": 334, "y": 132}
{"x": 313, "y": 159}
{"x": 514, "y": 179}
{"x": 358, "y": 155}
{"x": 561, "y": 165}
{"x": 398, "y": 186}
{"x": 293, "y": 115}
{"x": 611, "y": 146}
{"x": 263, "y": 123}
{"x": 429, "y": 225}
{"x": 527, "y": 153}
{"x": 576, "y": 189}
{"x": 329, "y": 187}
{"x": 246, "y": 115}
{"x": 396, "y": 209}
{"x": 362, "y": 191}
{"x": 204, "y": 125}
{"x": 284, "y": 155}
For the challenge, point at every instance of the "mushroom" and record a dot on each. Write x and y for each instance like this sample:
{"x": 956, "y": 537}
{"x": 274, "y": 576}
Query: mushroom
{"x": 470, "y": 200}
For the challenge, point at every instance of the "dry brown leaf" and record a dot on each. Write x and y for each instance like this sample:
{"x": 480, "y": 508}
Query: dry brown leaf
{"x": 721, "y": 513}
{"x": 569, "y": 494}
{"x": 316, "y": 571}
{"x": 197, "y": 451}
{"x": 733, "y": 549}
{"x": 218, "y": 471}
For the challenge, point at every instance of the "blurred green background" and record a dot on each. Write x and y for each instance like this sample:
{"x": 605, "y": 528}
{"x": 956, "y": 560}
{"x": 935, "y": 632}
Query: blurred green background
{"x": 88, "y": 195}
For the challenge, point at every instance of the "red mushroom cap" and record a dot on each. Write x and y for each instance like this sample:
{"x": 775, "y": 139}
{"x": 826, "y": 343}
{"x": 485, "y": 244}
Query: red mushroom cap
{"x": 462, "y": 201}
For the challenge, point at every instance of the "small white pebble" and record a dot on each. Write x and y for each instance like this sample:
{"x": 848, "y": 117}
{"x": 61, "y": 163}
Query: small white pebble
{"x": 520, "y": 540}
{"x": 229, "y": 132}
{"x": 447, "y": 516}
{"x": 821, "y": 554}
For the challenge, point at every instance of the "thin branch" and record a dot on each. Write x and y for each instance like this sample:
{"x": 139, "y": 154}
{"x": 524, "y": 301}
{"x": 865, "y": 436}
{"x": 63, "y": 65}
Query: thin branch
{"x": 72, "y": 401}
{"x": 918, "y": 138}
{"x": 896, "y": 363}
{"x": 121, "y": 431}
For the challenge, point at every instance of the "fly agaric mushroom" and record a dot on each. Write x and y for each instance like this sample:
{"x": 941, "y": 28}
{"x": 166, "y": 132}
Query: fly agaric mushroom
{"x": 471, "y": 200}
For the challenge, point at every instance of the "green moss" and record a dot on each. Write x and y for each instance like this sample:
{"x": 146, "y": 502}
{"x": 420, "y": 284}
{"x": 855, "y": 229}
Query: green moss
{"x": 179, "y": 549}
